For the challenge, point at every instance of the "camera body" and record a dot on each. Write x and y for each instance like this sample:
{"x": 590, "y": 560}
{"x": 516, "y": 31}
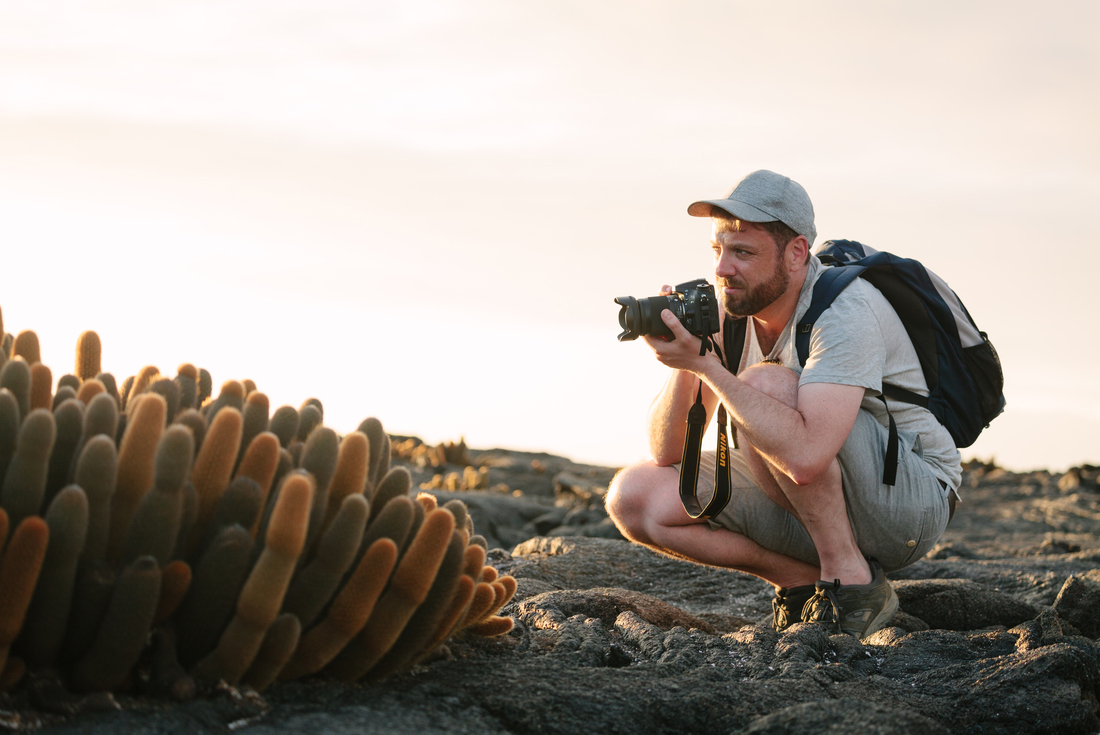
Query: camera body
{"x": 693, "y": 303}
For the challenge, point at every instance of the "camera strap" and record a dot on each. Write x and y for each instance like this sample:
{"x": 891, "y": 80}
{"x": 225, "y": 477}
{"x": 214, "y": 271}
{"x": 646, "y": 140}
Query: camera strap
{"x": 693, "y": 450}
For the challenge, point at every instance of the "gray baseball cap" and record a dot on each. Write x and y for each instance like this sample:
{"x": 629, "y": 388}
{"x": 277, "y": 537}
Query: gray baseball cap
{"x": 765, "y": 196}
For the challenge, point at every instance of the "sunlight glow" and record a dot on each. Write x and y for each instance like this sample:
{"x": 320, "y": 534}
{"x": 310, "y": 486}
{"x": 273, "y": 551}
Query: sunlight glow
{"x": 423, "y": 210}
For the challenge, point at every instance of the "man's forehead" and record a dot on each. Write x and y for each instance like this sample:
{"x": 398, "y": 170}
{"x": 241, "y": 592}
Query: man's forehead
{"x": 746, "y": 231}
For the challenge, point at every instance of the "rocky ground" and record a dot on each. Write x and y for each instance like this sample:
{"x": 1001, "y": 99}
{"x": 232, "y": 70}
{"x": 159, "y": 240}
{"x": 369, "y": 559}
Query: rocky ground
{"x": 998, "y": 631}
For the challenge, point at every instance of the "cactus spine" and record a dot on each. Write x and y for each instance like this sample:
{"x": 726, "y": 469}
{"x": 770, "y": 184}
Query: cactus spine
{"x": 309, "y": 418}
{"x": 351, "y": 472}
{"x": 263, "y": 591}
{"x": 379, "y": 452}
{"x": 89, "y": 389}
{"x": 25, "y": 480}
{"x": 125, "y": 627}
{"x": 156, "y": 522}
{"x": 141, "y": 382}
{"x": 278, "y": 646}
{"x": 16, "y": 377}
{"x": 284, "y": 424}
{"x": 260, "y": 462}
{"x": 254, "y": 420}
{"x": 136, "y": 466}
{"x": 338, "y": 549}
{"x": 41, "y": 387}
{"x": 69, "y": 423}
{"x": 19, "y": 569}
{"x": 348, "y": 612}
{"x": 96, "y": 470}
{"x": 44, "y": 631}
{"x": 319, "y": 459}
{"x": 215, "y": 586}
{"x": 427, "y": 616}
{"x": 408, "y": 588}
{"x": 9, "y": 429}
{"x": 214, "y": 464}
{"x": 26, "y": 346}
{"x": 315, "y": 584}
{"x": 89, "y": 351}
{"x": 175, "y": 579}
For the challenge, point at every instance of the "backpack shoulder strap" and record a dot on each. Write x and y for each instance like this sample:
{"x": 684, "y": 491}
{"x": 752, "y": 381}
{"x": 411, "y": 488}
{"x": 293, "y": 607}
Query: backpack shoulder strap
{"x": 829, "y": 284}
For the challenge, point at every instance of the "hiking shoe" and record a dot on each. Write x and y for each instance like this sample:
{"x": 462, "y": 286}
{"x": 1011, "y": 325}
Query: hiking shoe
{"x": 857, "y": 610}
{"x": 788, "y": 603}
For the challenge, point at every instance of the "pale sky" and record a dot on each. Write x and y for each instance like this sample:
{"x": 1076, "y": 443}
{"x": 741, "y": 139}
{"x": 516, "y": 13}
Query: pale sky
{"x": 422, "y": 210}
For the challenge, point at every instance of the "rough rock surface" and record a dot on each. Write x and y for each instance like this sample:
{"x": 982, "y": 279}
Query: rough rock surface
{"x": 997, "y": 634}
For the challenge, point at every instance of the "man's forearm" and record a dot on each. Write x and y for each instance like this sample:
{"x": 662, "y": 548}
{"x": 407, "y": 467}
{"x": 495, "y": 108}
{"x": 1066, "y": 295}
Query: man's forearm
{"x": 773, "y": 428}
{"x": 800, "y": 440}
{"x": 800, "y": 437}
{"x": 667, "y": 416}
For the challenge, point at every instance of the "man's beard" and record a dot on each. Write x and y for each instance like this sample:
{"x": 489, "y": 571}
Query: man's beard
{"x": 754, "y": 299}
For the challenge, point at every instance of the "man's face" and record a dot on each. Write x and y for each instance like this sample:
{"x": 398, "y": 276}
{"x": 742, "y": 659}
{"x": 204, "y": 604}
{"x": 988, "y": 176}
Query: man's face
{"x": 748, "y": 269}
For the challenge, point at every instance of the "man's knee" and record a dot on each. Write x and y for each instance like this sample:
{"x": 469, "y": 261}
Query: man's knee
{"x": 628, "y": 496}
{"x": 624, "y": 492}
{"x": 777, "y": 381}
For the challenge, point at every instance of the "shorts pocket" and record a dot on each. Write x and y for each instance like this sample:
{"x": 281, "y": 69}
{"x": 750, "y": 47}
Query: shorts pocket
{"x": 922, "y": 538}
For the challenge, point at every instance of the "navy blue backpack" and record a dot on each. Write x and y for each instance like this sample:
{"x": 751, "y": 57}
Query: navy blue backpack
{"x": 960, "y": 365}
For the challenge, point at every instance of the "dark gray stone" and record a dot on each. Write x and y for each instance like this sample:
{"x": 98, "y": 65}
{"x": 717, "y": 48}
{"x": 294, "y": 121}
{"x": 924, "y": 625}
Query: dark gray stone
{"x": 611, "y": 637}
{"x": 845, "y": 716}
{"x": 1079, "y": 602}
{"x": 959, "y": 604}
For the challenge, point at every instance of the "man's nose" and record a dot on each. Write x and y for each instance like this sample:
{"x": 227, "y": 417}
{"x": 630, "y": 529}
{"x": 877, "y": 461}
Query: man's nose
{"x": 725, "y": 267}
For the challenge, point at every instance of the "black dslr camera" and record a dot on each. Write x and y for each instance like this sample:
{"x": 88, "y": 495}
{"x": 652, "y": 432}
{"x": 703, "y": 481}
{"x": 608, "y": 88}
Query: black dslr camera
{"x": 693, "y": 303}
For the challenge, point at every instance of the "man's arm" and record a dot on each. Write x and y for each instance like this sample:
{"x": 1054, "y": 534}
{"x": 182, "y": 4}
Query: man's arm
{"x": 666, "y": 422}
{"x": 800, "y": 442}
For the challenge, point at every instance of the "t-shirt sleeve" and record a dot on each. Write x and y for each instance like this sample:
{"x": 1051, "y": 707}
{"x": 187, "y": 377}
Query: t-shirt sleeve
{"x": 846, "y": 345}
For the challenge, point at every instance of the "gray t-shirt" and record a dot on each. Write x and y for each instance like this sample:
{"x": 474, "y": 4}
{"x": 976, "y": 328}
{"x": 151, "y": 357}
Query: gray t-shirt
{"x": 859, "y": 340}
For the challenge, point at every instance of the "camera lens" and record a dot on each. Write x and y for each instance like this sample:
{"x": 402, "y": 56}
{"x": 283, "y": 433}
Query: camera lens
{"x": 693, "y": 304}
{"x": 629, "y": 318}
{"x": 638, "y": 317}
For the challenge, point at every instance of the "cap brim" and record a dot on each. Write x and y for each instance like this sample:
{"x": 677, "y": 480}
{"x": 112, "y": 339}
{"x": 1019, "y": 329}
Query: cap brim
{"x": 740, "y": 210}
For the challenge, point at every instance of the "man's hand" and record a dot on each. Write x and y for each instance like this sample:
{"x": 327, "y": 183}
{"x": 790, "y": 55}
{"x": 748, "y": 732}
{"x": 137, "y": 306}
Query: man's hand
{"x": 681, "y": 353}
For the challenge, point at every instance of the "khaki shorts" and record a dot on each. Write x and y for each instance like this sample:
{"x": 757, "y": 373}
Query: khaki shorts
{"x": 896, "y": 524}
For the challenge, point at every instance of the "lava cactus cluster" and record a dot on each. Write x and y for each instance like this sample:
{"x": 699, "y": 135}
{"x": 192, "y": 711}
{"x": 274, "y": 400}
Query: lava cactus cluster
{"x": 156, "y": 537}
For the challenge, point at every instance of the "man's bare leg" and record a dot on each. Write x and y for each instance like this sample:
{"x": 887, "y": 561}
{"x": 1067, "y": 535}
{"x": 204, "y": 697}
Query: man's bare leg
{"x": 819, "y": 506}
{"x": 644, "y": 502}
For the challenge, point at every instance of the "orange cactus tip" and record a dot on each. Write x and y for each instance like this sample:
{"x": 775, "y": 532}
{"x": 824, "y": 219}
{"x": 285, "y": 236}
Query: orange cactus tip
{"x": 493, "y": 626}
{"x": 482, "y": 602}
{"x": 260, "y": 400}
{"x": 26, "y": 346}
{"x": 286, "y": 532}
{"x": 232, "y": 388}
{"x": 510, "y": 586}
{"x": 147, "y": 373}
{"x": 89, "y": 390}
{"x": 473, "y": 561}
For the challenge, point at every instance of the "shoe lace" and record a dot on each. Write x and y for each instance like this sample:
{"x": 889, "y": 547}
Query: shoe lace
{"x": 824, "y": 607}
{"x": 780, "y": 613}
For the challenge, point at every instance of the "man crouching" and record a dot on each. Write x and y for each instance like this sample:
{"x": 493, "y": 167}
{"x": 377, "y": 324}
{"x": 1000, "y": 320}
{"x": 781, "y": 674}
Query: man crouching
{"x": 809, "y": 511}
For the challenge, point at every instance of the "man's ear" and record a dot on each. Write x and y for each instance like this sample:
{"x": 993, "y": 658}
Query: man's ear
{"x": 796, "y": 251}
